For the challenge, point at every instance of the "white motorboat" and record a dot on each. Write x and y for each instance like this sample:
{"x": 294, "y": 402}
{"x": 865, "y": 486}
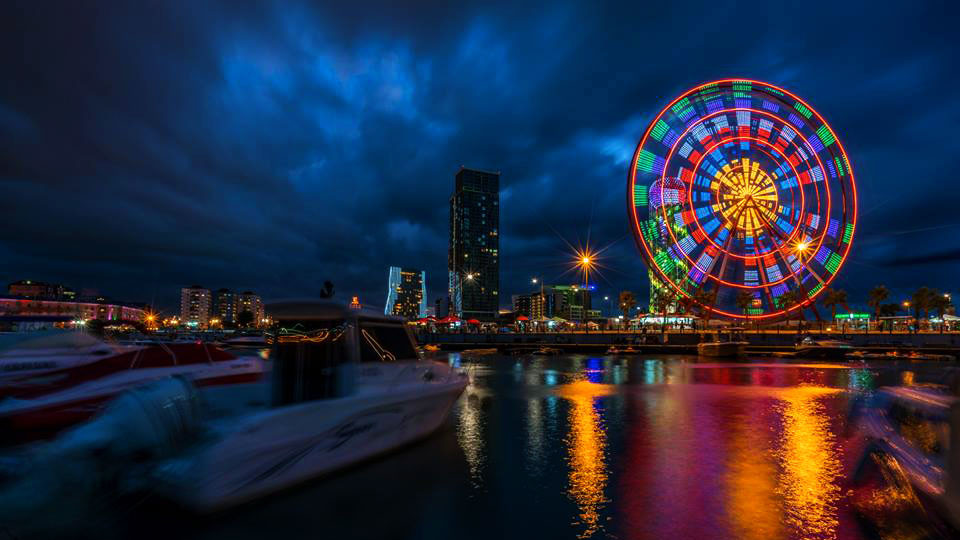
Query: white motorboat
{"x": 823, "y": 348}
{"x": 346, "y": 385}
{"x": 911, "y": 457}
{"x": 38, "y": 352}
{"x": 65, "y": 390}
{"x": 721, "y": 349}
{"x": 246, "y": 342}
{"x": 719, "y": 346}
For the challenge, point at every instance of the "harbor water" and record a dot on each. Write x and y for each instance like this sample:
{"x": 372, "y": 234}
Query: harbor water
{"x": 578, "y": 446}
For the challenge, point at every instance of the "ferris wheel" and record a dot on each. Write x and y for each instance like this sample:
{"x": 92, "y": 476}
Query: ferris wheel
{"x": 742, "y": 200}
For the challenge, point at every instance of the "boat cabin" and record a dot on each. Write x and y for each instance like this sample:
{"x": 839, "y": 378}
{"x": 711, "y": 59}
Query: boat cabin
{"x": 322, "y": 347}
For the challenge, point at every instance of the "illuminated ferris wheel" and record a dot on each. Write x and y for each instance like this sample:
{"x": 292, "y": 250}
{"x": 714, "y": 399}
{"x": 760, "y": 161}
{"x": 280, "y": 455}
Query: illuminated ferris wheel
{"x": 742, "y": 200}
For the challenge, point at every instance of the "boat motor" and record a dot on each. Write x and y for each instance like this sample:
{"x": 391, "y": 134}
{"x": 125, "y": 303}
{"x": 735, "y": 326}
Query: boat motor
{"x": 106, "y": 457}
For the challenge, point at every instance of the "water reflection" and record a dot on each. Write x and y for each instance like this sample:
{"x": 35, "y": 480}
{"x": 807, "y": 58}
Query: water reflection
{"x": 662, "y": 447}
{"x": 586, "y": 447}
{"x": 808, "y": 456}
{"x": 751, "y": 479}
{"x": 470, "y": 424}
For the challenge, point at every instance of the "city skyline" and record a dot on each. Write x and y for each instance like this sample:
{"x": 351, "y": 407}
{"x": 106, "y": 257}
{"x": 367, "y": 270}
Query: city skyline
{"x": 283, "y": 163}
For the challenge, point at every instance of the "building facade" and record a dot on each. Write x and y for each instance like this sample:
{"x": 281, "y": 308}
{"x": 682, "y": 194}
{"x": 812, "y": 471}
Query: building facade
{"x": 473, "y": 259}
{"x": 406, "y": 293}
{"x": 195, "y": 306}
{"x": 250, "y": 301}
{"x": 523, "y": 304}
{"x": 225, "y": 306}
{"x": 570, "y": 302}
{"x": 27, "y": 288}
{"x": 99, "y": 309}
{"x": 441, "y": 307}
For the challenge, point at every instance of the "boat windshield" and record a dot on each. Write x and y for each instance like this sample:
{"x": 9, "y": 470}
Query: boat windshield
{"x": 385, "y": 343}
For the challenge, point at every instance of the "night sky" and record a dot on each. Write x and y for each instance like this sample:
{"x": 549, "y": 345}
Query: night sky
{"x": 146, "y": 146}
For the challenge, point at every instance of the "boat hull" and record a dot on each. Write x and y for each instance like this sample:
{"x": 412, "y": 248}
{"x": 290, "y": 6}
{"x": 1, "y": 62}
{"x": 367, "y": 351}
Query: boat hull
{"x": 295, "y": 444}
{"x": 823, "y": 352}
{"x": 721, "y": 349}
{"x": 28, "y": 420}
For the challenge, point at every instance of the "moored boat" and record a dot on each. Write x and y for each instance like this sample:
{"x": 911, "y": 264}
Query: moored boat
{"x": 40, "y": 352}
{"x": 721, "y": 349}
{"x": 823, "y": 348}
{"x": 723, "y": 345}
{"x": 911, "y": 458}
{"x": 40, "y": 404}
{"x": 347, "y": 386}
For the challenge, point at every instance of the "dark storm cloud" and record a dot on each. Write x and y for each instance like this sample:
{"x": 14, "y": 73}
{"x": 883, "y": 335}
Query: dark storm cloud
{"x": 273, "y": 145}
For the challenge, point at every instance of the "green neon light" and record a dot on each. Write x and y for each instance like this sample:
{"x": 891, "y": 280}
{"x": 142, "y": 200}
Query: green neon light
{"x": 839, "y": 166}
{"x": 847, "y": 233}
{"x": 815, "y": 290}
{"x": 803, "y": 110}
{"x": 833, "y": 263}
{"x": 680, "y": 106}
{"x": 639, "y": 195}
{"x": 645, "y": 161}
{"x": 826, "y": 136}
{"x": 659, "y": 130}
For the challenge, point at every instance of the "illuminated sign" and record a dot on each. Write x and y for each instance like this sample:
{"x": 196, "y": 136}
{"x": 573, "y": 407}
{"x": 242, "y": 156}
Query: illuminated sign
{"x": 853, "y": 315}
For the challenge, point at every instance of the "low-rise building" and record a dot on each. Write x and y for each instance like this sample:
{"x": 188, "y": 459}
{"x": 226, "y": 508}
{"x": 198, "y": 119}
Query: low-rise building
{"x": 27, "y": 288}
{"x": 99, "y": 309}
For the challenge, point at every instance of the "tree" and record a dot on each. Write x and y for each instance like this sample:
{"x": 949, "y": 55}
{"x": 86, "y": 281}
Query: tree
{"x": 627, "y": 302}
{"x": 922, "y": 300}
{"x": 706, "y": 298}
{"x": 790, "y": 299}
{"x": 940, "y": 304}
{"x": 244, "y": 318}
{"x": 833, "y": 298}
{"x": 661, "y": 304}
{"x": 876, "y": 297}
{"x": 745, "y": 300}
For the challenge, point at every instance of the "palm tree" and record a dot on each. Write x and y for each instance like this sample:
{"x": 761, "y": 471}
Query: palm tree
{"x": 876, "y": 297}
{"x": 661, "y": 304}
{"x": 790, "y": 299}
{"x": 627, "y": 302}
{"x": 686, "y": 304}
{"x": 744, "y": 300}
{"x": 940, "y": 303}
{"x": 922, "y": 300}
{"x": 706, "y": 297}
{"x": 833, "y": 298}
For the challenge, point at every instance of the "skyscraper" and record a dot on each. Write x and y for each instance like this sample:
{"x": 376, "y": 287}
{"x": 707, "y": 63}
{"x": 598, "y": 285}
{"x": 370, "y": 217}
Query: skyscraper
{"x": 226, "y": 306}
{"x": 195, "y": 303}
{"x": 473, "y": 259}
{"x": 407, "y": 293}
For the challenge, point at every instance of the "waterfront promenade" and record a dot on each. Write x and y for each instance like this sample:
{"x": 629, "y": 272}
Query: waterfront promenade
{"x": 686, "y": 341}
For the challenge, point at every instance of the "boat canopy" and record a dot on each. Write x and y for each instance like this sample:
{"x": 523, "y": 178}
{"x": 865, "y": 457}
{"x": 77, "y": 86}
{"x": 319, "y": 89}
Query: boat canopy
{"x": 308, "y": 309}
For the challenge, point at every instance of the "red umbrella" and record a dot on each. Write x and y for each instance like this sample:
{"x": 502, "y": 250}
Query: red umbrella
{"x": 522, "y": 318}
{"x": 449, "y": 319}
{"x": 473, "y": 321}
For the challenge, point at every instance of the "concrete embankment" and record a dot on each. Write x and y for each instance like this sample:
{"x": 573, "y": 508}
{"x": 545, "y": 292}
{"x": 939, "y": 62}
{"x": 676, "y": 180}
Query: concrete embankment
{"x": 683, "y": 343}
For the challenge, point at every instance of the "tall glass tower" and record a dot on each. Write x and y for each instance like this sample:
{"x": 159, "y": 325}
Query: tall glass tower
{"x": 407, "y": 293}
{"x": 473, "y": 260}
